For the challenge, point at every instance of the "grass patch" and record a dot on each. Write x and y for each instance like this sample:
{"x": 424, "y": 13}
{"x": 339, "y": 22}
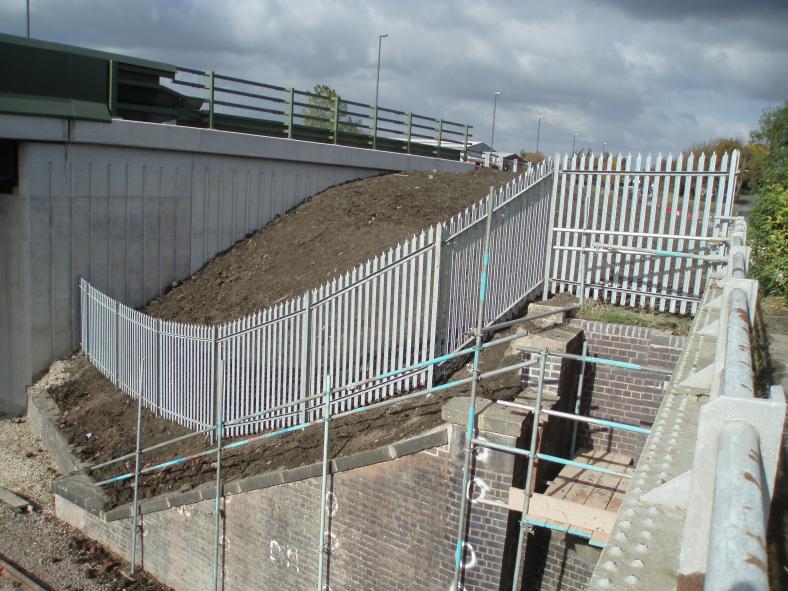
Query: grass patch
{"x": 601, "y": 312}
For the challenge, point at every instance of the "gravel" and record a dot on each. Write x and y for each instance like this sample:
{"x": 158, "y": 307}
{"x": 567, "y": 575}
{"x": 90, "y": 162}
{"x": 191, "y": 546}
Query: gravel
{"x": 41, "y": 544}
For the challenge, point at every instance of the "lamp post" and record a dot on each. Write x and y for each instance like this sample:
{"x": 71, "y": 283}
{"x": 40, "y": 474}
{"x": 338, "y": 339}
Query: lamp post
{"x": 28, "y": 19}
{"x": 574, "y": 137}
{"x": 377, "y": 83}
{"x": 495, "y": 106}
{"x": 538, "y": 131}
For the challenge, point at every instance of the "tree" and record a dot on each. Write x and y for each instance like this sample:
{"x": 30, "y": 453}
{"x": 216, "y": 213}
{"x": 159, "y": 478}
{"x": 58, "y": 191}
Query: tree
{"x": 531, "y": 157}
{"x": 769, "y": 216}
{"x": 320, "y": 112}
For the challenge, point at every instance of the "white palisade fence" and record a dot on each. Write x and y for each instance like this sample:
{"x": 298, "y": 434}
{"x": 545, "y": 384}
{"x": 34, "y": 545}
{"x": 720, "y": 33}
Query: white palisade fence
{"x": 396, "y": 310}
{"x": 615, "y": 207}
{"x": 629, "y": 217}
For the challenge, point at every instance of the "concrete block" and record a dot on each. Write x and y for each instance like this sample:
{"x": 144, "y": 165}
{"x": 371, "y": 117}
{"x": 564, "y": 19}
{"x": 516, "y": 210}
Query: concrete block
{"x": 118, "y": 513}
{"x": 80, "y": 490}
{"x": 155, "y": 504}
{"x": 546, "y": 306}
{"x": 558, "y": 339}
{"x": 303, "y": 472}
{"x": 490, "y": 417}
{"x": 259, "y": 481}
{"x": 15, "y": 501}
{"x": 412, "y": 445}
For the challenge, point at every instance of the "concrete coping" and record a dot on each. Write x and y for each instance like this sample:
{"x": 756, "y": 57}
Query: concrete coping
{"x": 80, "y": 489}
{"x": 546, "y": 306}
{"x": 556, "y": 338}
{"x": 490, "y": 417}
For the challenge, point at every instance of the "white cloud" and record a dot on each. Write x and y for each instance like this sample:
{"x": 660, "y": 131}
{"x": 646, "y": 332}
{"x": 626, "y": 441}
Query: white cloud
{"x": 637, "y": 75}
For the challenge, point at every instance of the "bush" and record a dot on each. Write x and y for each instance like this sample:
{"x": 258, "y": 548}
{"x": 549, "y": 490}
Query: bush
{"x": 768, "y": 233}
{"x": 768, "y": 237}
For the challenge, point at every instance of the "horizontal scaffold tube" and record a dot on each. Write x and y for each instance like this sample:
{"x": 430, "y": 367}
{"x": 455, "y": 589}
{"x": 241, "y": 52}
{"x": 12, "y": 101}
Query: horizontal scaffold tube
{"x": 600, "y": 361}
{"x": 548, "y": 457}
{"x": 580, "y": 418}
{"x": 283, "y": 431}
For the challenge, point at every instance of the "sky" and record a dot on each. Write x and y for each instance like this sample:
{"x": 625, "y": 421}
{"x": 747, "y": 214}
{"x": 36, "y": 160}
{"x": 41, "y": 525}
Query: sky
{"x": 636, "y": 75}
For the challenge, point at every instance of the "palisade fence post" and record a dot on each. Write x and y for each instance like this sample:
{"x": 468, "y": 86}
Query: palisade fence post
{"x": 159, "y": 367}
{"x": 410, "y": 130}
{"x": 306, "y": 353}
{"x": 437, "y": 311}
{"x": 210, "y": 98}
{"x": 214, "y": 376}
{"x": 335, "y": 122}
{"x": 440, "y": 137}
{"x": 116, "y": 358}
{"x": 550, "y": 224}
{"x": 375, "y": 129}
{"x": 290, "y": 100}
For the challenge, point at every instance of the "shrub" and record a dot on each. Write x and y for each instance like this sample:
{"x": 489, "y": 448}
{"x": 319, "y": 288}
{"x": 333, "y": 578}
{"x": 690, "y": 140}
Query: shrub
{"x": 768, "y": 237}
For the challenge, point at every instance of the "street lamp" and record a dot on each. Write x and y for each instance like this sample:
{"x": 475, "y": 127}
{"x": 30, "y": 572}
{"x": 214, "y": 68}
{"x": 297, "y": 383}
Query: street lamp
{"x": 495, "y": 106}
{"x": 28, "y": 19}
{"x": 574, "y": 137}
{"x": 538, "y": 131}
{"x": 377, "y": 83}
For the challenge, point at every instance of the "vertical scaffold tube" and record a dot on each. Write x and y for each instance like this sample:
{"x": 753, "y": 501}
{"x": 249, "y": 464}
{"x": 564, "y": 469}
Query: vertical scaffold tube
{"x": 472, "y": 407}
{"x": 137, "y": 455}
{"x": 217, "y": 539}
{"x": 322, "y": 549}
{"x": 529, "y": 483}
{"x": 578, "y": 400}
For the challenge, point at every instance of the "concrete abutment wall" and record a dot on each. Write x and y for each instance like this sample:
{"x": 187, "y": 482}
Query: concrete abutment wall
{"x": 133, "y": 207}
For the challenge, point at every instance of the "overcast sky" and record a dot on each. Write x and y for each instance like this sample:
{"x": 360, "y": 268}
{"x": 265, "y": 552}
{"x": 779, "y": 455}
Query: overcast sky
{"x": 640, "y": 75}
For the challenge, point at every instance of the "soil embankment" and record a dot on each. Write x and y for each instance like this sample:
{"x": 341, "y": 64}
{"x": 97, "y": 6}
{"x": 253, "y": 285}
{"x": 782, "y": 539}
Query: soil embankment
{"x": 331, "y": 233}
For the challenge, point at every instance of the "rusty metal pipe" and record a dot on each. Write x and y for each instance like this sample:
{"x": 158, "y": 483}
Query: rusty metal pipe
{"x": 738, "y": 376}
{"x": 737, "y": 538}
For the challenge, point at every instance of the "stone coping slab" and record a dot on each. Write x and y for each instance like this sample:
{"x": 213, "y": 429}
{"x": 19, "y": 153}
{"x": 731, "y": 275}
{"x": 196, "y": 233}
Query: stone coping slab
{"x": 81, "y": 490}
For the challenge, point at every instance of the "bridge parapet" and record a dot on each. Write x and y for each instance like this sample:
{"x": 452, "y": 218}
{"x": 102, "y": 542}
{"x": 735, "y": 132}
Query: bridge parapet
{"x": 696, "y": 513}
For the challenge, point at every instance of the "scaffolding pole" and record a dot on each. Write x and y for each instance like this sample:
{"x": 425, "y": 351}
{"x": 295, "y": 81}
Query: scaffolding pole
{"x": 529, "y": 476}
{"x": 217, "y": 539}
{"x": 472, "y": 407}
{"x": 323, "y": 547}
{"x": 137, "y": 455}
{"x": 578, "y": 398}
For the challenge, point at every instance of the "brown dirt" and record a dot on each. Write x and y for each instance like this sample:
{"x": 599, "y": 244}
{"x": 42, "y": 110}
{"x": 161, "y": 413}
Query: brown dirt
{"x": 92, "y": 405}
{"x": 329, "y": 234}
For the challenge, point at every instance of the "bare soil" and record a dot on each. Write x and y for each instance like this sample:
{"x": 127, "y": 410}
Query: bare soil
{"x": 329, "y": 234}
{"x": 110, "y": 417}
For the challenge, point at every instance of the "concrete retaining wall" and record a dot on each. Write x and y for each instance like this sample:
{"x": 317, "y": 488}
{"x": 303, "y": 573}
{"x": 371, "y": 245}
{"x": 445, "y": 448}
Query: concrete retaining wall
{"x": 133, "y": 207}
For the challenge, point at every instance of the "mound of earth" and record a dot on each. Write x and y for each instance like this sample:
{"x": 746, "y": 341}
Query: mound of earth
{"x": 329, "y": 234}
{"x": 99, "y": 422}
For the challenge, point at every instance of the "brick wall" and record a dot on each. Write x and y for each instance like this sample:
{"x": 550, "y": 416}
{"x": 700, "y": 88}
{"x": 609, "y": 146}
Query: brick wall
{"x": 559, "y": 562}
{"x": 626, "y": 396}
{"x": 392, "y": 526}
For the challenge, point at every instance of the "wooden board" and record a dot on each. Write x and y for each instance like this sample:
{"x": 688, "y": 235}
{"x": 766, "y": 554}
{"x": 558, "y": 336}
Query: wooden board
{"x": 564, "y": 513}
